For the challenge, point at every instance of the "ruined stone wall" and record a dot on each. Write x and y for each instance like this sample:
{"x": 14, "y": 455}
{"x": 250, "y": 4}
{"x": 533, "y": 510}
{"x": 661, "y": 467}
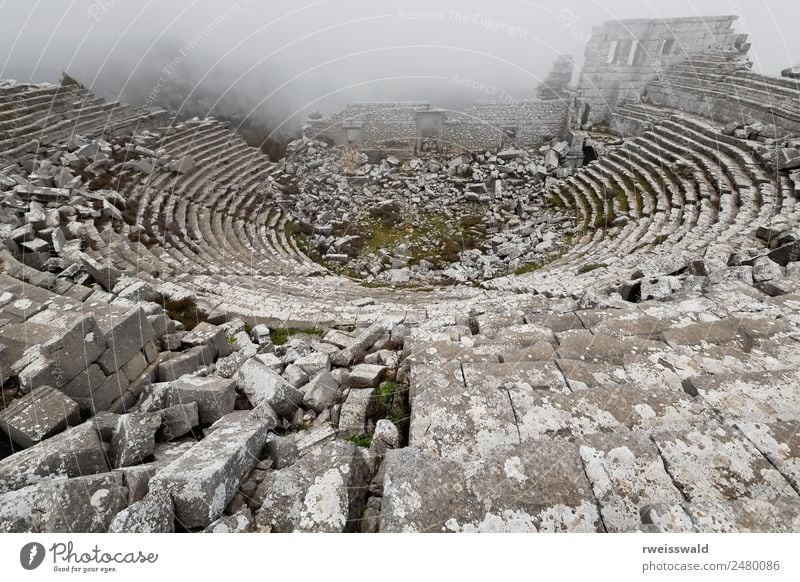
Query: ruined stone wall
{"x": 380, "y": 123}
{"x": 624, "y": 56}
{"x": 482, "y": 126}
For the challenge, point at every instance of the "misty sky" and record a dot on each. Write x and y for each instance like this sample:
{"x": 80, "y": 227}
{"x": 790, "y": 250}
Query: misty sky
{"x": 297, "y": 56}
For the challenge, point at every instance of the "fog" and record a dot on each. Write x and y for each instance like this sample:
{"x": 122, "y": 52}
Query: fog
{"x": 276, "y": 60}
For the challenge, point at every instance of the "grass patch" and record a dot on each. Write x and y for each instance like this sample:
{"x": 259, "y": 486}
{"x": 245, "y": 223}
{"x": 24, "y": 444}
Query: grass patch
{"x": 360, "y": 441}
{"x": 280, "y": 336}
{"x": 387, "y": 402}
{"x": 435, "y": 237}
{"x": 589, "y": 267}
{"x": 528, "y": 268}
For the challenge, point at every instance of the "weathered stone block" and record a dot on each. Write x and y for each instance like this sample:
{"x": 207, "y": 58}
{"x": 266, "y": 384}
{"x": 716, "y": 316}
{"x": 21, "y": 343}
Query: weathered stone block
{"x": 215, "y": 397}
{"x": 322, "y": 492}
{"x": 203, "y": 480}
{"x": 128, "y": 336}
{"x": 39, "y": 415}
{"x": 262, "y": 384}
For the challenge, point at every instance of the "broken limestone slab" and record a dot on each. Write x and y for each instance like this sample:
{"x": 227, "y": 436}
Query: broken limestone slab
{"x": 366, "y": 375}
{"x": 262, "y": 384}
{"x": 153, "y": 514}
{"x": 206, "y": 334}
{"x": 215, "y": 397}
{"x": 240, "y": 522}
{"x": 94, "y": 391}
{"x": 76, "y": 343}
{"x": 79, "y": 505}
{"x": 324, "y": 491}
{"x": 353, "y": 416}
{"x": 203, "y": 480}
{"x": 313, "y": 363}
{"x": 39, "y": 415}
{"x": 134, "y": 439}
{"x": 183, "y": 363}
{"x": 137, "y": 479}
{"x": 75, "y": 452}
{"x": 128, "y": 335}
{"x": 178, "y": 420}
{"x": 322, "y": 392}
{"x": 16, "y": 510}
{"x": 183, "y": 165}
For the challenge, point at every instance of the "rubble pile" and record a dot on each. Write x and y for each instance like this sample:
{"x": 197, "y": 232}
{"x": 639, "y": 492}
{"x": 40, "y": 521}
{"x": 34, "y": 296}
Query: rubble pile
{"x": 430, "y": 220}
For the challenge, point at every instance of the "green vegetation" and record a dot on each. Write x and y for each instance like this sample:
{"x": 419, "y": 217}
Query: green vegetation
{"x": 528, "y": 268}
{"x": 281, "y": 335}
{"x": 589, "y": 267}
{"x": 436, "y": 237}
{"x": 360, "y": 441}
{"x": 660, "y": 239}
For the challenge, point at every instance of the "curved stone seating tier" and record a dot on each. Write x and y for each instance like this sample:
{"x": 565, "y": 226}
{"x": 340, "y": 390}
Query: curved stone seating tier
{"x": 724, "y": 95}
{"x": 678, "y": 181}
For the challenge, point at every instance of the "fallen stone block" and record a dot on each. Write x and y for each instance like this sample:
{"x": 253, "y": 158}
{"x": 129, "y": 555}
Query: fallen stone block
{"x": 76, "y": 344}
{"x": 39, "y": 415}
{"x": 366, "y": 375}
{"x": 16, "y": 510}
{"x": 261, "y": 384}
{"x": 203, "y": 480}
{"x": 183, "y": 363}
{"x": 313, "y": 363}
{"x": 79, "y": 505}
{"x": 153, "y": 514}
{"x": 786, "y": 254}
{"x": 353, "y": 416}
{"x": 134, "y": 439}
{"x": 183, "y": 165}
{"x": 322, "y": 492}
{"x": 75, "y": 452}
{"x": 178, "y": 420}
{"x": 215, "y": 397}
{"x": 128, "y": 335}
{"x": 94, "y": 391}
{"x": 322, "y": 392}
{"x": 106, "y": 276}
{"x": 209, "y": 335}
{"x": 137, "y": 479}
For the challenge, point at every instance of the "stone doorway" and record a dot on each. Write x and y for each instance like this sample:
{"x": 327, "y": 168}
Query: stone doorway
{"x": 429, "y": 131}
